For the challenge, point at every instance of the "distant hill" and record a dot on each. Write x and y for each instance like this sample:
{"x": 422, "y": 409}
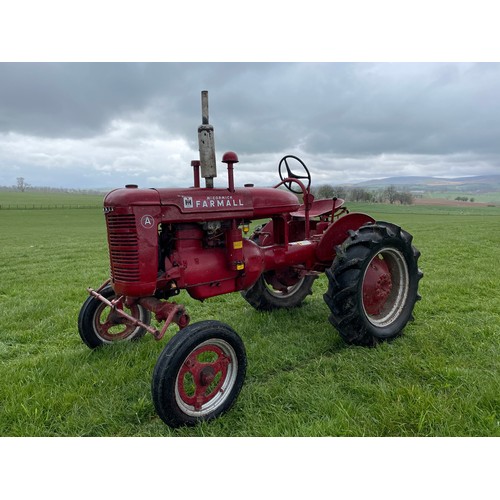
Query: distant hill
{"x": 476, "y": 183}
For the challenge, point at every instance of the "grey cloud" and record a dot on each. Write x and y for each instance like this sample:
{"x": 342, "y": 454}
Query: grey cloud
{"x": 414, "y": 117}
{"x": 76, "y": 99}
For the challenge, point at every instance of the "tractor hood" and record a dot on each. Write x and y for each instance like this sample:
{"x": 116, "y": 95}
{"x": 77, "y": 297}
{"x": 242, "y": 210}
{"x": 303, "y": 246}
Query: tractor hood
{"x": 249, "y": 201}
{"x": 131, "y": 196}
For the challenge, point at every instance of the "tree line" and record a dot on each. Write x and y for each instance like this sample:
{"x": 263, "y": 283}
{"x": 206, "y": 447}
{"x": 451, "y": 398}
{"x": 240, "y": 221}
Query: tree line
{"x": 351, "y": 193}
{"x": 23, "y": 186}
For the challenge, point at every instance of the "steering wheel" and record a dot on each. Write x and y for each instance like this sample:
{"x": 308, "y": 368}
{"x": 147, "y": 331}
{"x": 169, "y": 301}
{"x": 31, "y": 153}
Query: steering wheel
{"x": 283, "y": 164}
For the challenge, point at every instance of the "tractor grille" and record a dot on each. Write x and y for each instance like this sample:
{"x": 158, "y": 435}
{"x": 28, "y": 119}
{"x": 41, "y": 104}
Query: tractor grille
{"x": 123, "y": 247}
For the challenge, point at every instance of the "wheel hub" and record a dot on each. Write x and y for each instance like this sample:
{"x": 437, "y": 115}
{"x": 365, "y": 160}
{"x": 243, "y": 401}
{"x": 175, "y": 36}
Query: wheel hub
{"x": 200, "y": 381}
{"x": 377, "y": 286}
{"x": 111, "y": 326}
{"x": 207, "y": 376}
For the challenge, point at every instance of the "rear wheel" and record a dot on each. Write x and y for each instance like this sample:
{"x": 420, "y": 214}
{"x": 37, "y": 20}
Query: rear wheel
{"x": 98, "y": 324}
{"x": 373, "y": 284}
{"x": 199, "y": 374}
{"x": 275, "y": 290}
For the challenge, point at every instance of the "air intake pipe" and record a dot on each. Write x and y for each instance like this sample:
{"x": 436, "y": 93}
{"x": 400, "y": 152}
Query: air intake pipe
{"x": 206, "y": 144}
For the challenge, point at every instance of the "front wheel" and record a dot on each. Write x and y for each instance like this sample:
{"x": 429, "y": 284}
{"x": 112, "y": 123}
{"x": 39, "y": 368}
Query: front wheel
{"x": 199, "y": 374}
{"x": 98, "y": 324}
{"x": 373, "y": 284}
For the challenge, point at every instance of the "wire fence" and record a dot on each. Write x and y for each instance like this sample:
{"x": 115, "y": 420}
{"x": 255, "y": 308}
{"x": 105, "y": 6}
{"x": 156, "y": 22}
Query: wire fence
{"x": 35, "y": 206}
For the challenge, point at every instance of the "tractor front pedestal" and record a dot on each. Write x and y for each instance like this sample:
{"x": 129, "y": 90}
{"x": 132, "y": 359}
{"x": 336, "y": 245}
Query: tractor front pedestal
{"x": 170, "y": 312}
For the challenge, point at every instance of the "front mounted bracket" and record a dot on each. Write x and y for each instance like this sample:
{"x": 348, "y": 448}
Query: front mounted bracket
{"x": 170, "y": 312}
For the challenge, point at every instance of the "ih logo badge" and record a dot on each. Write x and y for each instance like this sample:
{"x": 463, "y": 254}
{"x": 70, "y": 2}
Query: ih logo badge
{"x": 147, "y": 221}
{"x": 188, "y": 201}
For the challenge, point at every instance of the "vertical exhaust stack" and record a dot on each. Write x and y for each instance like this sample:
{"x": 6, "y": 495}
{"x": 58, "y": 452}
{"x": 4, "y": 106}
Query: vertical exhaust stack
{"x": 206, "y": 144}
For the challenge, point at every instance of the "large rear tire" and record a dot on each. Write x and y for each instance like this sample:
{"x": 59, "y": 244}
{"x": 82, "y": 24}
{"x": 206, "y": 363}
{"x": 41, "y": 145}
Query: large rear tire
{"x": 199, "y": 374}
{"x": 373, "y": 284}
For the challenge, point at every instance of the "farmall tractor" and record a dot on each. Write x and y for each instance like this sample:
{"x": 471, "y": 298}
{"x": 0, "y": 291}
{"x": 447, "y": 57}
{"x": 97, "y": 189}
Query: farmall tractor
{"x": 162, "y": 241}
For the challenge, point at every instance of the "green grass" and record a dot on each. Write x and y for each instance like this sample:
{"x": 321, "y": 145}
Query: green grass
{"x": 37, "y": 200}
{"x": 441, "y": 378}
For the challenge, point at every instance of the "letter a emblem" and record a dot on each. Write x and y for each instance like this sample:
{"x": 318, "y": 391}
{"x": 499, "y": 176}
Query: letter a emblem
{"x": 147, "y": 221}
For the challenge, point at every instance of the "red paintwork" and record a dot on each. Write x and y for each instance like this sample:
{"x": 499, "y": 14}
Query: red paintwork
{"x": 336, "y": 233}
{"x": 133, "y": 248}
{"x": 195, "y": 376}
{"x": 196, "y": 173}
{"x": 206, "y": 273}
{"x": 377, "y": 286}
{"x": 202, "y": 204}
{"x": 164, "y": 311}
{"x": 203, "y": 249}
{"x": 109, "y": 328}
{"x": 319, "y": 207}
{"x": 133, "y": 216}
{"x": 230, "y": 157}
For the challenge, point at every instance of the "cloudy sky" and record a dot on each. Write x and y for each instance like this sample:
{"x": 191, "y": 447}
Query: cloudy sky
{"x": 87, "y": 124}
{"x": 93, "y": 125}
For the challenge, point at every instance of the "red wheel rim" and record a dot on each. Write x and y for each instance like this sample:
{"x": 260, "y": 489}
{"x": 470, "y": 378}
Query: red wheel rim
{"x": 200, "y": 381}
{"x": 386, "y": 284}
{"x": 112, "y": 327}
{"x": 377, "y": 286}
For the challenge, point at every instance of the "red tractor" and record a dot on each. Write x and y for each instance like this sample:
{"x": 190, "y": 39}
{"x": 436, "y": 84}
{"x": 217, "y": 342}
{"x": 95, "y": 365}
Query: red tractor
{"x": 162, "y": 241}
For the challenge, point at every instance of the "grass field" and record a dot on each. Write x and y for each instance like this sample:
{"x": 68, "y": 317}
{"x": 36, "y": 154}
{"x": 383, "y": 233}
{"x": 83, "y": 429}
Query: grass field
{"x": 492, "y": 197}
{"x": 441, "y": 378}
{"x": 33, "y": 200}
